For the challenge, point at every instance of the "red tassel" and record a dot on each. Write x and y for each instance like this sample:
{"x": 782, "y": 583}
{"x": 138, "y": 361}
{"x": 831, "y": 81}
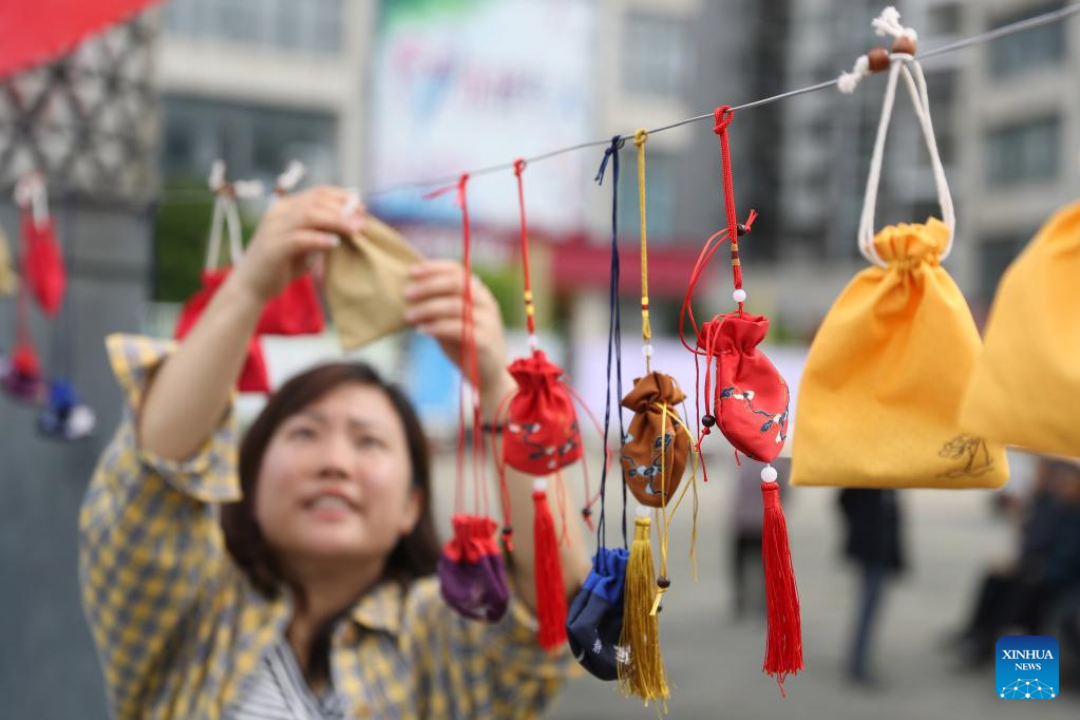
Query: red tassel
{"x": 550, "y": 591}
{"x": 783, "y": 649}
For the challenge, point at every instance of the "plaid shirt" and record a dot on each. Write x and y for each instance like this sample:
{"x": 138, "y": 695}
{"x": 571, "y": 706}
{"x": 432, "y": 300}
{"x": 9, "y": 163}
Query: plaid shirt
{"x": 180, "y": 631}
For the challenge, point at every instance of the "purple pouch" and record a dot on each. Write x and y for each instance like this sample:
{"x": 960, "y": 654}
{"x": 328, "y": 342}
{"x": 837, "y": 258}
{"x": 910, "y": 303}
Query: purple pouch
{"x": 21, "y": 377}
{"x": 471, "y": 573}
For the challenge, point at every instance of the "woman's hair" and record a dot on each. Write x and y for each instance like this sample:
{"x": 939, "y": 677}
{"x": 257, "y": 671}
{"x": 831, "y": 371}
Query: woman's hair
{"x": 415, "y": 555}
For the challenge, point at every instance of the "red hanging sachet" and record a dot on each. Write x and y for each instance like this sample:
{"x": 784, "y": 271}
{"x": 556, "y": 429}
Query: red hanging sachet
{"x": 44, "y": 266}
{"x": 253, "y": 376}
{"x": 297, "y": 310}
{"x": 747, "y": 399}
{"x": 541, "y": 432}
{"x": 540, "y": 436}
{"x": 43, "y": 262}
{"x": 22, "y": 378}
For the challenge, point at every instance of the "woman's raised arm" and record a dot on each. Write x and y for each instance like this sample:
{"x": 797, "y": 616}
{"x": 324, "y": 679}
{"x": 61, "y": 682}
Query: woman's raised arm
{"x": 191, "y": 391}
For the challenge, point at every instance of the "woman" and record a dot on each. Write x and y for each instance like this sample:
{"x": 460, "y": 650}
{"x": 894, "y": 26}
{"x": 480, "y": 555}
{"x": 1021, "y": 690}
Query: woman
{"x": 294, "y": 579}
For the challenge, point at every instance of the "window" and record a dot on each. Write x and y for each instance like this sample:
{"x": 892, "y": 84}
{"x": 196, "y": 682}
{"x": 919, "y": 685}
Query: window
{"x": 942, "y": 90}
{"x": 310, "y": 26}
{"x": 655, "y": 48}
{"x": 238, "y": 20}
{"x": 944, "y": 19}
{"x": 1024, "y": 153}
{"x": 326, "y": 26}
{"x": 1028, "y": 50}
{"x": 996, "y": 253}
{"x": 255, "y": 142}
{"x": 923, "y": 209}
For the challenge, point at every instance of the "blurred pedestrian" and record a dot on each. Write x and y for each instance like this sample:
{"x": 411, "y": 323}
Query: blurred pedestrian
{"x": 872, "y": 540}
{"x": 1024, "y": 592}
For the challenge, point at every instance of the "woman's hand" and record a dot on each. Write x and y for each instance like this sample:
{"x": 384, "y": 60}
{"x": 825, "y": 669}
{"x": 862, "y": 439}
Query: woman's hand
{"x": 434, "y": 298}
{"x": 293, "y": 229}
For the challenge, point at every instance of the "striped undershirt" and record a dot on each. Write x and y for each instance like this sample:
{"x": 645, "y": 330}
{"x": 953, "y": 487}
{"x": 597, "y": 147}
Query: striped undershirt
{"x": 278, "y": 691}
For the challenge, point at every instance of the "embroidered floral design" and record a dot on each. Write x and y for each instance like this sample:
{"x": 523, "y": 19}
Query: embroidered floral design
{"x": 529, "y": 431}
{"x": 780, "y": 421}
{"x": 651, "y": 471}
{"x": 972, "y": 451}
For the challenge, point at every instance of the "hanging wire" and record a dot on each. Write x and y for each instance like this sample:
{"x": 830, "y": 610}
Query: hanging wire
{"x": 1003, "y": 31}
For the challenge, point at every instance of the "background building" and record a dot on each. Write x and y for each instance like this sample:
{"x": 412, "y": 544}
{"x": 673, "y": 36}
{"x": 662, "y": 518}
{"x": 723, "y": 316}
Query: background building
{"x": 261, "y": 83}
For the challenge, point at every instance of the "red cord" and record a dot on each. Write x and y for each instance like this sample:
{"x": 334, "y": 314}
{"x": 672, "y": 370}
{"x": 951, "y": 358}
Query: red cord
{"x": 704, "y": 346}
{"x": 499, "y": 423}
{"x": 519, "y": 168}
{"x": 470, "y": 374}
{"x": 590, "y": 499}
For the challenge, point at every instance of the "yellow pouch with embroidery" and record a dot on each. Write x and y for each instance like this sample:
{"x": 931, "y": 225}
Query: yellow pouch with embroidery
{"x": 1025, "y": 389}
{"x": 880, "y": 396}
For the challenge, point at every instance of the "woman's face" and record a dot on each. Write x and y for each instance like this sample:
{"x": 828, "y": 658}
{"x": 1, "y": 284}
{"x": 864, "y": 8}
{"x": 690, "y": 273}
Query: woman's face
{"x": 336, "y": 480}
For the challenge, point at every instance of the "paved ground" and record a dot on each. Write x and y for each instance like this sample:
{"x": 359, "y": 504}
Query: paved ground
{"x": 715, "y": 663}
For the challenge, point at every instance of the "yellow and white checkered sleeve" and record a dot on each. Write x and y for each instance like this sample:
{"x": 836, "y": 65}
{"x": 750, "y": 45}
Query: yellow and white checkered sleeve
{"x": 149, "y": 538}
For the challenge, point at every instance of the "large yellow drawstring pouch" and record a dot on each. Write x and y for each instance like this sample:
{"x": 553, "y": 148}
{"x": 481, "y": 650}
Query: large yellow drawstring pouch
{"x": 881, "y": 390}
{"x": 1025, "y": 390}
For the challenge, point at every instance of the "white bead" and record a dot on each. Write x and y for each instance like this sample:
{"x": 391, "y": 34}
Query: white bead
{"x": 642, "y": 511}
{"x": 540, "y": 485}
{"x": 768, "y": 473}
{"x": 646, "y": 349}
{"x": 739, "y": 295}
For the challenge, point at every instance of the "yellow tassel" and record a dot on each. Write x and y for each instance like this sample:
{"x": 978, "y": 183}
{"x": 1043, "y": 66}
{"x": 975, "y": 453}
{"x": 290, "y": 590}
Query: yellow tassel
{"x": 643, "y": 674}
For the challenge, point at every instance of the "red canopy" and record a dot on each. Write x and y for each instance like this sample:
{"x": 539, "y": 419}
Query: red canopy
{"x": 36, "y": 31}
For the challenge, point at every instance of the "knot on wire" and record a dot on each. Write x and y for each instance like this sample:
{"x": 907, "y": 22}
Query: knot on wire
{"x": 888, "y": 23}
{"x": 641, "y": 136}
{"x": 29, "y": 188}
{"x": 519, "y": 166}
{"x": 290, "y": 178}
{"x": 216, "y": 181}
{"x": 616, "y": 145}
{"x": 722, "y": 117}
{"x": 31, "y": 193}
{"x": 461, "y": 183}
{"x": 460, "y": 187}
{"x": 878, "y": 59}
{"x": 243, "y": 189}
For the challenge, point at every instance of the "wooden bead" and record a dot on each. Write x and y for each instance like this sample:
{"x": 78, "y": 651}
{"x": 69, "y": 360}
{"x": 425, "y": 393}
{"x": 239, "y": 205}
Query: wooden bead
{"x": 879, "y": 59}
{"x": 904, "y": 44}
